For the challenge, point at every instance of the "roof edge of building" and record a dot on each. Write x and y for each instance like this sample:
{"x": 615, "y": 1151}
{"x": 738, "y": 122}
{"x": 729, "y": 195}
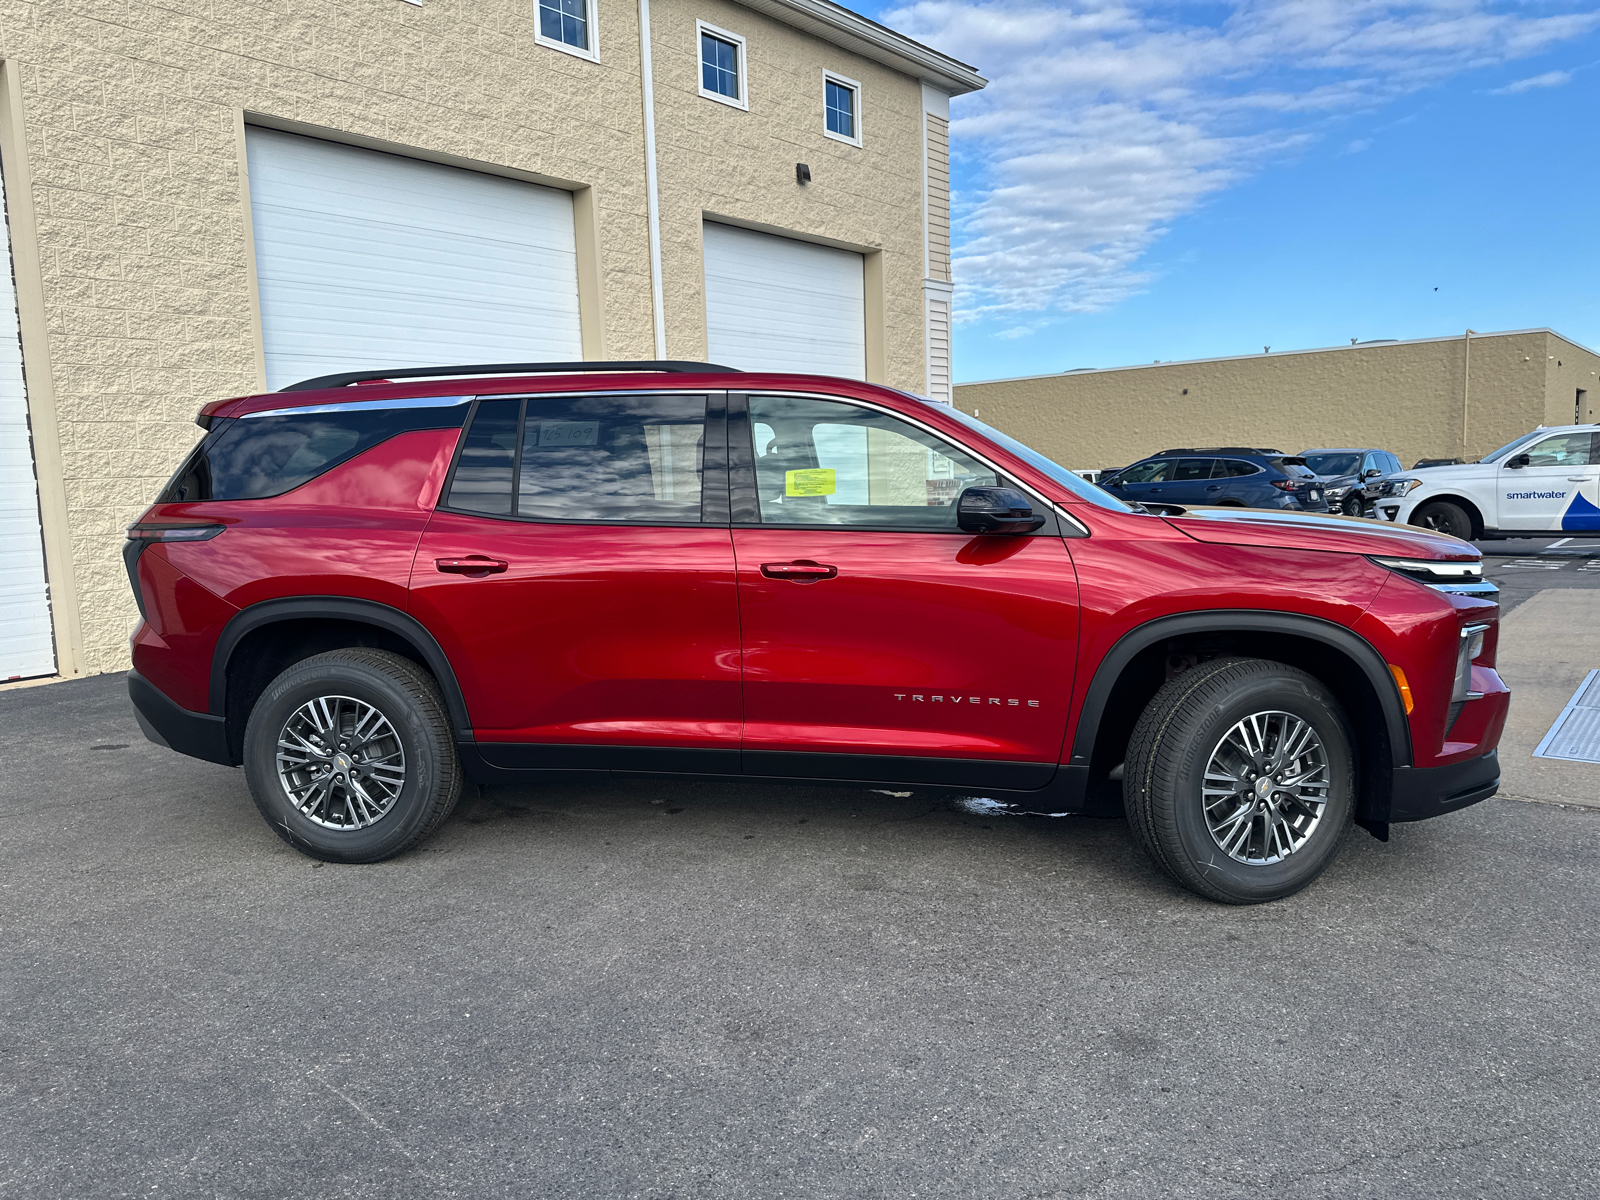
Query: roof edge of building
{"x": 1189, "y": 362}
{"x": 866, "y": 37}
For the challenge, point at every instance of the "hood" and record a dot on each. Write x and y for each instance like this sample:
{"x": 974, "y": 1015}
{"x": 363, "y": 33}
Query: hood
{"x": 1313, "y": 531}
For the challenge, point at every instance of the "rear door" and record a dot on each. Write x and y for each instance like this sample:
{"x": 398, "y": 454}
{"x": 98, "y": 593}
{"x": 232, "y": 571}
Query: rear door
{"x": 880, "y": 641}
{"x": 1191, "y": 482}
{"x": 579, "y": 574}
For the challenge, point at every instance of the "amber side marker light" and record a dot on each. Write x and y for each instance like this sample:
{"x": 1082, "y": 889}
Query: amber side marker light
{"x": 1405, "y": 688}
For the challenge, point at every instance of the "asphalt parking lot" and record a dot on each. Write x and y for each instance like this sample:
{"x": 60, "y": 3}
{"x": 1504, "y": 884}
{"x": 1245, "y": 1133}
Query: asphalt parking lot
{"x": 636, "y": 989}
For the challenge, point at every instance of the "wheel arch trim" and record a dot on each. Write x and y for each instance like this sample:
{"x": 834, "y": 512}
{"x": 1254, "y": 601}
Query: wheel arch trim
{"x": 340, "y": 608}
{"x": 1142, "y": 637}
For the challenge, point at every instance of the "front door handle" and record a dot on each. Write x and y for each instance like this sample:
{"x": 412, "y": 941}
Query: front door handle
{"x": 1582, "y": 478}
{"x": 472, "y": 564}
{"x": 800, "y": 571}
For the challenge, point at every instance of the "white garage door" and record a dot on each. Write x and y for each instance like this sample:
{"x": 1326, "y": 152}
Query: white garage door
{"x": 27, "y": 647}
{"x": 775, "y": 304}
{"x": 367, "y": 260}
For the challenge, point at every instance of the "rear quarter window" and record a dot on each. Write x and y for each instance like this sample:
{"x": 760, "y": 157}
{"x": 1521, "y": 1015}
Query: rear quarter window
{"x": 254, "y": 457}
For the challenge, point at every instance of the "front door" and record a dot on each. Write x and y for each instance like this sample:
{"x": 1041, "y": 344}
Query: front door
{"x": 1558, "y": 488}
{"x": 880, "y": 641}
{"x": 581, "y": 580}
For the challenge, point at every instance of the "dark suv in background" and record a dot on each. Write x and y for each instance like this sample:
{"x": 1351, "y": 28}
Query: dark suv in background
{"x": 1236, "y": 476}
{"x": 1351, "y": 477}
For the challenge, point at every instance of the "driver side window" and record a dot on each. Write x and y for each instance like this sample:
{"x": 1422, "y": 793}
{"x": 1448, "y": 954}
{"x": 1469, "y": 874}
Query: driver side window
{"x": 1563, "y": 450}
{"x": 827, "y": 462}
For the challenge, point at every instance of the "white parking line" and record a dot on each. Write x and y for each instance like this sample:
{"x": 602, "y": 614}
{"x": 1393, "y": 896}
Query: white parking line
{"x": 1562, "y": 542}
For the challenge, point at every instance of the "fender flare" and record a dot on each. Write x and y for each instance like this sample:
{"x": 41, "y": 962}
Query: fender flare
{"x": 1142, "y": 637}
{"x": 340, "y": 608}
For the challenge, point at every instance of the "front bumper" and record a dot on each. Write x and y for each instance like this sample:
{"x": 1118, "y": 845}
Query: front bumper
{"x": 199, "y": 735}
{"x": 1417, "y": 793}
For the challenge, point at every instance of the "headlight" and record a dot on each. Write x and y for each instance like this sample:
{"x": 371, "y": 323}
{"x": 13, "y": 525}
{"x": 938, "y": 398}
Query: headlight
{"x": 1430, "y": 570}
{"x": 1337, "y": 493}
{"x": 1458, "y": 577}
{"x": 1401, "y": 487}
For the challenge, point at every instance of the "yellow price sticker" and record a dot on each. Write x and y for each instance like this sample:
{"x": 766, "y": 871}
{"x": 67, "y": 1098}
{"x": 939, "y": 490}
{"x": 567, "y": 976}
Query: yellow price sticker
{"x": 813, "y": 481}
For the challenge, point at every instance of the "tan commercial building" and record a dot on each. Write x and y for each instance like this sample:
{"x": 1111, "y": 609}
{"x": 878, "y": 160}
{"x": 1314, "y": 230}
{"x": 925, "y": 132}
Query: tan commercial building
{"x": 203, "y": 201}
{"x": 1457, "y": 397}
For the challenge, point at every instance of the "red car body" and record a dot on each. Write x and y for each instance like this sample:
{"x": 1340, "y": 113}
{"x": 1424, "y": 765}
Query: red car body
{"x": 1012, "y": 665}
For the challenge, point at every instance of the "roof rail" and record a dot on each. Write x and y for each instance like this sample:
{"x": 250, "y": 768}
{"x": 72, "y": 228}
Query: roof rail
{"x": 1219, "y": 450}
{"x": 671, "y": 366}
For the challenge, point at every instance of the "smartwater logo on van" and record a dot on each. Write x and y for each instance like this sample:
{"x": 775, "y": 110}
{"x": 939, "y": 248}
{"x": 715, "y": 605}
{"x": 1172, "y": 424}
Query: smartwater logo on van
{"x": 1536, "y": 495}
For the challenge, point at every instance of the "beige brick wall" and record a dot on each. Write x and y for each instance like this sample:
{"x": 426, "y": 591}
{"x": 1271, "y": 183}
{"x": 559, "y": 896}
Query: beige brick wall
{"x": 130, "y": 116}
{"x": 1407, "y": 398}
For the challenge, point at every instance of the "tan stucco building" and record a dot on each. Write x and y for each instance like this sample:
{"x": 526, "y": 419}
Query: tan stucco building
{"x": 1427, "y": 398}
{"x": 208, "y": 200}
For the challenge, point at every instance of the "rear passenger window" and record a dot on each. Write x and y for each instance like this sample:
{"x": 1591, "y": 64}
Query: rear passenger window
{"x": 601, "y": 458}
{"x": 253, "y": 457}
{"x": 1238, "y": 466}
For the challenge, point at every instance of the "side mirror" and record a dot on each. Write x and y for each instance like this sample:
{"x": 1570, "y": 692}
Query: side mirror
{"x": 995, "y": 510}
{"x": 1372, "y": 473}
{"x": 1517, "y": 462}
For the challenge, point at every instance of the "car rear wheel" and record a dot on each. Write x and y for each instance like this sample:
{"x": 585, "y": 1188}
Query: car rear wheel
{"x": 349, "y": 756}
{"x": 1443, "y": 517}
{"x": 1239, "y": 780}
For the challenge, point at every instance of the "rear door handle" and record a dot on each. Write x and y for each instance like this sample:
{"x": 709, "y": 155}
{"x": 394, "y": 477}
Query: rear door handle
{"x": 800, "y": 571}
{"x": 1582, "y": 478}
{"x": 472, "y": 564}
{"x": 1213, "y": 487}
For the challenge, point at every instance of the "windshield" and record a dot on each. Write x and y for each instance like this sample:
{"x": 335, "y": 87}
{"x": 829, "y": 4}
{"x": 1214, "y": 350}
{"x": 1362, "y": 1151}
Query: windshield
{"x": 1333, "y": 464}
{"x": 1510, "y": 446}
{"x": 1076, "y": 484}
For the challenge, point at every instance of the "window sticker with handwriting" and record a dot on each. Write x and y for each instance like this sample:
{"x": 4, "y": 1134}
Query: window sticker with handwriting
{"x": 814, "y": 481}
{"x": 569, "y": 433}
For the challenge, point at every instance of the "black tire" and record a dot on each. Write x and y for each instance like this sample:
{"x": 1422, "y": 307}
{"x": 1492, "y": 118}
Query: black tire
{"x": 1188, "y": 721}
{"x": 328, "y": 822}
{"x": 1443, "y": 517}
{"x": 1353, "y": 507}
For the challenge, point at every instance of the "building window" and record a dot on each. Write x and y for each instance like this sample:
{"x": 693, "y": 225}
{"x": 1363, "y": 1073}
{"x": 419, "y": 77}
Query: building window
{"x": 567, "y": 25}
{"x": 842, "y": 100}
{"x": 722, "y": 71}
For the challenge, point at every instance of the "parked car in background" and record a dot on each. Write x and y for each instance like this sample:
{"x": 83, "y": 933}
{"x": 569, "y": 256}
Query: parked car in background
{"x": 1547, "y": 481}
{"x": 1351, "y": 478}
{"x": 1235, "y": 476}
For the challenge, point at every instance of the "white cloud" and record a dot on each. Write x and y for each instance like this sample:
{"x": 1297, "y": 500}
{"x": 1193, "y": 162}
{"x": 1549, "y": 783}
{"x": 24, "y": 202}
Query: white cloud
{"x": 1108, "y": 120}
{"x": 1548, "y": 80}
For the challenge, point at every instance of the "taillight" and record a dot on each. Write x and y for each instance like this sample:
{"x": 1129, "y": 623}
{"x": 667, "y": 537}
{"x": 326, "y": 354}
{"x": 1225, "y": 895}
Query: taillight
{"x": 143, "y": 535}
{"x": 173, "y": 533}
{"x": 1288, "y": 485}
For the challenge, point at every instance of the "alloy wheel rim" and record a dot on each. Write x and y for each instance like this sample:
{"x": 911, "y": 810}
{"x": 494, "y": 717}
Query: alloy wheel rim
{"x": 340, "y": 762}
{"x": 1266, "y": 788}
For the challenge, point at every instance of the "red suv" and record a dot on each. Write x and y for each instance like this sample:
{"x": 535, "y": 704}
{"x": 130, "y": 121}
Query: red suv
{"x": 367, "y": 591}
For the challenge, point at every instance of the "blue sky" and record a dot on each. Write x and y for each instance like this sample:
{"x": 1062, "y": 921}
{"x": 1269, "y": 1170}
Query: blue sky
{"x": 1166, "y": 180}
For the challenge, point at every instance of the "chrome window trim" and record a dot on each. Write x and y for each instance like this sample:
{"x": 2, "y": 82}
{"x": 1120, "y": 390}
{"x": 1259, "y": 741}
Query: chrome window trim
{"x": 1083, "y": 530}
{"x": 362, "y": 406}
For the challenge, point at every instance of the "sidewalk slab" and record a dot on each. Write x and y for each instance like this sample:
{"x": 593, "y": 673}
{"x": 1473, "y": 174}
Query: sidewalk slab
{"x": 1547, "y": 646}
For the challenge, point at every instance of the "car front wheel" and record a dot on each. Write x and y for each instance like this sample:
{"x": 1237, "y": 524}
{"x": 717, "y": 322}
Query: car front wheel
{"x": 349, "y": 756}
{"x": 1239, "y": 780}
{"x": 1443, "y": 517}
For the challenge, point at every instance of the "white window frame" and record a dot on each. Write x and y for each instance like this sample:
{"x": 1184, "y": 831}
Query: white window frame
{"x": 591, "y": 12}
{"x": 855, "y": 86}
{"x": 743, "y": 101}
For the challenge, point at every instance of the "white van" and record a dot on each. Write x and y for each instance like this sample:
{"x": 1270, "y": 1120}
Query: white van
{"x": 1547, "y": 481}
